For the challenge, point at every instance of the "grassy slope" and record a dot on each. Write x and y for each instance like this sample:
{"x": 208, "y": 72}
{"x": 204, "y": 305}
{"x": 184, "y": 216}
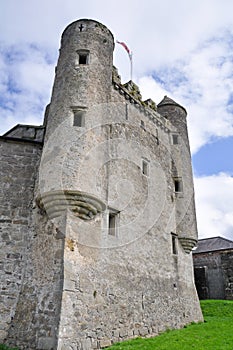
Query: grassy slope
{"x": 216, "y": 333}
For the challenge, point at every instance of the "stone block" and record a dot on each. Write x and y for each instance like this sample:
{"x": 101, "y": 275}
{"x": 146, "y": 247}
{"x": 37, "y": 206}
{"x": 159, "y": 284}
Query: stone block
{"x": 105, "y": 343}
{"x": 123, "y": 332}
{"x": 143, "y": 331}
{"x": 86, "y": 344}
{"x": 46, "y": 343}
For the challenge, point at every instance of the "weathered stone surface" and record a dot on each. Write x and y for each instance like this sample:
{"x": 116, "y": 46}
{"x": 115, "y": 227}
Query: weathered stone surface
{"x": 100, "y": 265}
{"x": 104, "y": 343}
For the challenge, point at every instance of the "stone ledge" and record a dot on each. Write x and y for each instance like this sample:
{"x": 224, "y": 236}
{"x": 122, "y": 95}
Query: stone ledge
{"x": 82, "y": 204}
{"x": 187, "y": 243}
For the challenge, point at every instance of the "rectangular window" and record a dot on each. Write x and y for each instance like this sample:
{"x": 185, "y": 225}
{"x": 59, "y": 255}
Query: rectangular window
{"x": 178, "y": 185}
{"x": 145, "y": 167}
{"x": 174, "y": 243}
{"x": 79, "y": 118}
{"x": 83, "y": 57}
{"x": 175, "y": 139}
{"x": 113, "y": 223}
{"x": 79, "y": 115}
{"x": 126, "y": 112}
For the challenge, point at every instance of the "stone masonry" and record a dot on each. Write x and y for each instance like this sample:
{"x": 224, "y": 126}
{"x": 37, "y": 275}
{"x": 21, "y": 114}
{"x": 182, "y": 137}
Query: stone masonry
{"x": 213, "y": 268}
{"x": 97, "y": 210}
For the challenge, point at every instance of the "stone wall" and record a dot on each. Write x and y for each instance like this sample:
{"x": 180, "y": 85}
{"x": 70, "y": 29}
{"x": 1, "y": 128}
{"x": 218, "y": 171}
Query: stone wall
{"x": 31, "y": 253}
{"x": 214, "y": 274}
{"x": 37, "y": 313}
{"x": 18, "y": 171}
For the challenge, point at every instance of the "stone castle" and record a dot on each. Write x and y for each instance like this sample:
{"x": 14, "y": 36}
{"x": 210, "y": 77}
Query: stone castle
{"x": 97, "y": 210}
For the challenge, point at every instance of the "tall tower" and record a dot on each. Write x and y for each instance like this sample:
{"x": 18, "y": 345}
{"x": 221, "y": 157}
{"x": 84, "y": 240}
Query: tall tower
{"x": 84, "y": 70}
{"x": 108, "y": 253}
{"x": 182, "y": 173}
{"x": 79, "y": 104}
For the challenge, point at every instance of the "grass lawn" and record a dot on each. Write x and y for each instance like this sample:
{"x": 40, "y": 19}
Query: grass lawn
{"x": 216, "y": 333}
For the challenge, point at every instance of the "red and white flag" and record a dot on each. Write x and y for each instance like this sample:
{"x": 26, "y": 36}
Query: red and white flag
{"x": 126, "y": 48}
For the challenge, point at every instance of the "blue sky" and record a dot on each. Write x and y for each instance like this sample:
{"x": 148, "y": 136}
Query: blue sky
{"x": 214, "y": 157}
{"x": 183, "y": 49}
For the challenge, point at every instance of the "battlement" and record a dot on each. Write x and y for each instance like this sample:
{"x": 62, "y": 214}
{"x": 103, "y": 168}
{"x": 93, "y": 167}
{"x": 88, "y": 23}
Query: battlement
{"x": 131, "y": 93}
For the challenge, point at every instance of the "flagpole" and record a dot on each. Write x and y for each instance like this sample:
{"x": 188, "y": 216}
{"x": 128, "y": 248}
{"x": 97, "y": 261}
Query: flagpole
{"x": 131, "y": 66}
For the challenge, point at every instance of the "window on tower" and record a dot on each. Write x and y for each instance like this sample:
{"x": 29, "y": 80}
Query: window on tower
{"x": 79, "y": 116}
{"x": 174, "y": 243}
{"x": 83, "y": 57}
{"x": 113, "y": 223}
{"x": 178, "y": 185}
{"x": 175, "y": 139}
{"x": 145, "y": 167}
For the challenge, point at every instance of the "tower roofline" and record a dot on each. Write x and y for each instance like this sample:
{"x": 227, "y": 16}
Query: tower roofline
{"x": 168, "y": 101}
{"x": 89, "y": 20}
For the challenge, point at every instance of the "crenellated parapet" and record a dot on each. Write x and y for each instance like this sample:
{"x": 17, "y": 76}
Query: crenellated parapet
{"x": 130, "y": 91}
{"x": 133, "y": 90}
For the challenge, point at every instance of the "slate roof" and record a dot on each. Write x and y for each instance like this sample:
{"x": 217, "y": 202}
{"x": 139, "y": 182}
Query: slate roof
{"x": 168, "y": 101}
{"x": 213, "y": 244}
{"x": 31, "y": 133}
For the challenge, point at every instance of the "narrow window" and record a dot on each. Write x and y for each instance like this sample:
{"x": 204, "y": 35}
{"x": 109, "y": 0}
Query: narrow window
{"x": 83, "y": 57}
{"x": 79, "y": 118}
{"x": 157, "y": 137}
{"x": 145, "y": 167}
{"x": 175, "y": 139}
{"x": 126, "y": 112}
{"x": 174, "y": 243}
{"x": 113, "y": 223}
{"x": 142, "y": 124}
{"x": 178, "y": 185}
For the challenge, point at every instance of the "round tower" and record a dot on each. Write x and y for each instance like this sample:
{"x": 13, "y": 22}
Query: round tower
{"x": 84, "y": 71}
{"x": 176, "y": 114}
{"x": 82, "y": 86}
{"x": 186, "y": 226}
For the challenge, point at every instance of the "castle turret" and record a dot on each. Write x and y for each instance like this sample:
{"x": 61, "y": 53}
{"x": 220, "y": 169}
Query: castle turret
{"x": 182, "y": 173}
{"x": 84, "y": 70}
{"x": 177, "y": 115}
{"x": 83, "y": 81}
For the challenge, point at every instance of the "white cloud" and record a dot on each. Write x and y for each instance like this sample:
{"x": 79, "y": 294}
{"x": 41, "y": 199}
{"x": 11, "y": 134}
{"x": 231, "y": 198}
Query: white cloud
{"x": 151, "y": 89}
{"x": 203, "y": 83}
{"x": 182, "y": 49}
{"x": 214, "y": 205}
{"x": 25, "y": 85}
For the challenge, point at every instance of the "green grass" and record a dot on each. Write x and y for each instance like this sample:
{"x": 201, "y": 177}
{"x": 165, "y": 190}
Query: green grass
{"x": 216, "y": 333}
{"x": 5, "y": 347}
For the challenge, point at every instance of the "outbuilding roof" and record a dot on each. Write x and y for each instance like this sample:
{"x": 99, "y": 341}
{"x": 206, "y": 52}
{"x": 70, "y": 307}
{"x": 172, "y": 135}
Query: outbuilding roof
{"x": 213, "y": 244}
